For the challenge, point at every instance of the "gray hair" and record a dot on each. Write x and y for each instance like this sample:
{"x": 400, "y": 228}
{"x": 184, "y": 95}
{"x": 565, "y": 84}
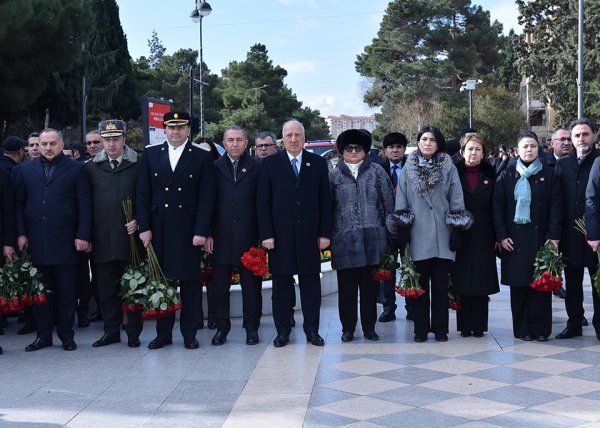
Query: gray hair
{"x": 559, "y": 129}
{"x": 234, "y": 128}
{"x": 292, "y": 121}
{"x": 48, "y": 130}
{"x": 93, "y": 132}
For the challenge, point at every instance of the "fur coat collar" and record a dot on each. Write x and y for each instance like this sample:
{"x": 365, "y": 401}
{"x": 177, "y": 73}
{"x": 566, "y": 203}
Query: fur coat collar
{"x": 128, "y": 154}
{"x": 424, "y": 180}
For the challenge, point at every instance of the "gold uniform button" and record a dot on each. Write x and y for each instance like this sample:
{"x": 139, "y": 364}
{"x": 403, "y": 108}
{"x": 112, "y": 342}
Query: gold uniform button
{"x": 156, "y": 174}
{"x": 191, "y": 176}
{"x": 180, "y": 206}
{"x": 166, "y": 205}
{"x": 179, "y": 189}
{"x": 166, "y": 189}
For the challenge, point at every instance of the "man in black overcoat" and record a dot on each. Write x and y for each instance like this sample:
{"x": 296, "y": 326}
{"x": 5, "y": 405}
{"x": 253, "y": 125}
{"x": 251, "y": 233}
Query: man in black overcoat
{"x": 174, "y": 206}
{"x": 294, "y": 220}
{"x": 234, "y": 231}
{"x": 113, "y": 175}
{"x": 573, "y": 172}
{"x": 394, "y": 146}
{"x": 54, "y": 220}
{"x": 8, "y": 232}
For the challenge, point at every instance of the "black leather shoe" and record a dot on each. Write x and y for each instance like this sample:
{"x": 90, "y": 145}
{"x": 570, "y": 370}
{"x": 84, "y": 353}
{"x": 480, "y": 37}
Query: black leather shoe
{"x": 466, "y": 333}
{"x": 441, "y": 337}
{"x": 419, "y": 338}
{"x": 561, "y": 293}
{"x": 219, "y": 338}
{"x": 584, "y": 322}
{"x": 29, "y": 327}
{"x": 347, "y": 336}
{"x": 371, "y": 335}
{"x": 478, "y": 333}
{"x": 133, "y": 342}
{"x": 568, "y": 333}
{"x": 160, "y": 342}
{"x": 95, "y": 317}
{"x": 106, "y": 340}
{"x": 211, "y": 325}
{"x": 191, "y": 343}
{"x": 541, "y": 338}
{"x": 69, "y": 345}
{"x": 38, "y": 344}
{"x": 526, "y": 338}
{"x": 315, "y": 339}
{"x": 387, "y": 316}
{"x": 281, "y": 340}
{"x": 251, "y": 337}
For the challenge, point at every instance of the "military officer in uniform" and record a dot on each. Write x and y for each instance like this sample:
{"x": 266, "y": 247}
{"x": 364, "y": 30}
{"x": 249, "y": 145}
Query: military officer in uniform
{"x": 174, "y": 205}
{"x": 113, "y": 174}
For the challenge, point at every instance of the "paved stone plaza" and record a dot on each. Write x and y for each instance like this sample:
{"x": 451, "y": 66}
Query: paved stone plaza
{"x": 469, "y": 382}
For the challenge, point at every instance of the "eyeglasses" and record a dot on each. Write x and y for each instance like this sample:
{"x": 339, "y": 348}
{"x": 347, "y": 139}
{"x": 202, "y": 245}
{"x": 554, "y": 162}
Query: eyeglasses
{"x": 89, "y": 143}
{"x": 563, "y": 139}
{"x": 350, "y": 149}
{"x": 264, "y": 146}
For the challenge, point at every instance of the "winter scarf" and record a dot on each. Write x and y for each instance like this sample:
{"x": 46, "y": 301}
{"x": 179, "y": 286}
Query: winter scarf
{"x": 523, "y": 190}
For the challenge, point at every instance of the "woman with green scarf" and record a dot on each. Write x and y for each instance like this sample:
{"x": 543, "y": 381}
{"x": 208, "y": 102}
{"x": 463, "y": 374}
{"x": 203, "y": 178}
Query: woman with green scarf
{"x": 527, "y": 214}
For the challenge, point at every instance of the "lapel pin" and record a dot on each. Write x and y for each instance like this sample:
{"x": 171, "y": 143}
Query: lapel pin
{"x": 542, "y": 179}
{"x": 485, "y": 182}
{"x": 307, "y": 164}
{"x": 243, "y": 169}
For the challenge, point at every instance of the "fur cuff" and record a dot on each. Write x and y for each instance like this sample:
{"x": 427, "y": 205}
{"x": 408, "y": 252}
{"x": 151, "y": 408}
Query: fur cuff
{"x": 398, "y": 220}
{"x": 459, "y": 220}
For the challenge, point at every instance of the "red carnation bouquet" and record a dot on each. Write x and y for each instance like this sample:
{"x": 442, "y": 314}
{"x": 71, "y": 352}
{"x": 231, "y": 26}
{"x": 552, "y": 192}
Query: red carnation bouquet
{"x": 20, "y": 285}
{"x": 256, "y": 261}
{"x": 387, "y": 267}
{"x": 453, "y": 299}
{"x": 548, "y": 265}
{"x": 409, "y": 277}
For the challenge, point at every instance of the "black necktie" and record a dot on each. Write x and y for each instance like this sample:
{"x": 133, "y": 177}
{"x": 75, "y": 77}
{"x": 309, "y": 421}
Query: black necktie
{"x": 580, "y": 159}
{"x": 395, "y": 175}
{"x": 235, "y": 162}
{"x": 114, "y": 163}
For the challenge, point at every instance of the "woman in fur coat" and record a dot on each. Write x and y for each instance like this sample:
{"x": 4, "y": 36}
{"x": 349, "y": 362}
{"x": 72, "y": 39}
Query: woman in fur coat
{"x": 473, "y": 272}
{"x": 429, "y": 200}
{"x": 362, "y": 196}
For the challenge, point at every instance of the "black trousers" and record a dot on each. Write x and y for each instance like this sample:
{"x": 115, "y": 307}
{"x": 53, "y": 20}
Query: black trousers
{"x": 350, "y": 281}
{"x": 211, "y": 302}
{"x": 84, "y": 286}
{"x": 310, "y": 299}
{"x": 108, "y": 276}
{"x": 60, "y": 304}
{"x": 531, "y": 311}
{"x": 473, "y": 317}
{"x": 434, "y": 280}
{"x": 574, "y": 298}
{"x": 251, "y": 296}
{"x": 189, "y": 317}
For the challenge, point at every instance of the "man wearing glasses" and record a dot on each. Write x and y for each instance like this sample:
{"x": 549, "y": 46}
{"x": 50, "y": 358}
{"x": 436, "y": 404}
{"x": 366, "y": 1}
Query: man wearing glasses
{"x": 93, "y": 140}
{"x": 561, "y": 143}
{"x": 266, "y": 144}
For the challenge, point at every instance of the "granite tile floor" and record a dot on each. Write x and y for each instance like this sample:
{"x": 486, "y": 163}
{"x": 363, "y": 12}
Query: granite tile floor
{"x": 494, "y": 381}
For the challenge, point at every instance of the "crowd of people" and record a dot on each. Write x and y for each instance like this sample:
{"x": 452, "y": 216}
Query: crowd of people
{"x": 452, "y": 204}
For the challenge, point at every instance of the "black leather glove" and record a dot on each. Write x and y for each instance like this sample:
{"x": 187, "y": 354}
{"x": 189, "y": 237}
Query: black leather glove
{"x": 403, "y": 238}
{"x": 455, "y": 240}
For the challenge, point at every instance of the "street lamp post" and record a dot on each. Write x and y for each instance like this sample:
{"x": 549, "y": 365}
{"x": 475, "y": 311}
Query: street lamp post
{"x": 202, "y": 9}
{"x": 470, "y": 86}
{"x": 256, "y": 93}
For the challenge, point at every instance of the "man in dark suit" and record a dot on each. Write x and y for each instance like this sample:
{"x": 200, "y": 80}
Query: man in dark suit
{"x": 8, "y": 233}
{"x": 394, "y": 146}
{"x": 174, "y": 206}
{"x": 54, "y": 222}
{"x": 234, "y": 231}
{"x": 294, "y": 219}
{"x": 113, "y": 175}
{"x": 573, "y": 172}
{"x": 14, "y": 152}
